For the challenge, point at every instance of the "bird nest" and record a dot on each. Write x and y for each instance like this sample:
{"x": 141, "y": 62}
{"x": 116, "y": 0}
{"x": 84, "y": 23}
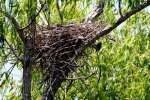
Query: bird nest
{"x": 59, "y": 46}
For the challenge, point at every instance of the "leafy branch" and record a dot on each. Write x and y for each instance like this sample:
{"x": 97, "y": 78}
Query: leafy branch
{"x": 123, "y": 18}
{"x": 34, "y": 17}
{"x": 13, "y": 51}
{"x": 15, "y": 23}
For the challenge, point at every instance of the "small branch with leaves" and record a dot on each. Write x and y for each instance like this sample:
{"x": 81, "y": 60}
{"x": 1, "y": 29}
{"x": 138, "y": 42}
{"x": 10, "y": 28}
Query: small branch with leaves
{"x": 15, "y": 23}
{"x": 123, "y": 18}
{"x": 13, "y": 51}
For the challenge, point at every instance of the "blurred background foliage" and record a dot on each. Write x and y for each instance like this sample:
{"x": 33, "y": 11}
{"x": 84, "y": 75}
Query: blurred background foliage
{"x": 121, "y": 68}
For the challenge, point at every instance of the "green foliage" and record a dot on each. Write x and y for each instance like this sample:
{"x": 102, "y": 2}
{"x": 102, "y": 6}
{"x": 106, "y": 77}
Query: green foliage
{"x": 121, "y": 67}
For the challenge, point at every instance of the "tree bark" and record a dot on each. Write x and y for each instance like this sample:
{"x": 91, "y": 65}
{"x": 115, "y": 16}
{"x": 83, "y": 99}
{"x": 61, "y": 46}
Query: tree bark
{"x": 57, "y": 79}
{"x": 27, "y": 67}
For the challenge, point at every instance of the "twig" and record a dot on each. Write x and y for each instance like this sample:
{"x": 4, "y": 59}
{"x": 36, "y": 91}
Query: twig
{"x": 8, "y": 73}
{"x": 119, "y": 6}
{"x": 60, "y": 12}
{"x": 13, "y": 51}
{"x": 67, "y": 87}
{"x": 15, "y": 23}
{"x": 34, "y": 17}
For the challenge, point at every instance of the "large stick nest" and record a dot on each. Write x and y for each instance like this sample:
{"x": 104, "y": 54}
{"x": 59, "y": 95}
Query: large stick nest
{"x": 58, "y": 47}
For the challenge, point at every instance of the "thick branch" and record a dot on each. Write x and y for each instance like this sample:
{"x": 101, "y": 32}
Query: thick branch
{"x": 121, "y": 20}
{"x": 96, "y": 12}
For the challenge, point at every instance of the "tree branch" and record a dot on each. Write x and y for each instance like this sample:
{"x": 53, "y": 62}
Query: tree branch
{"x": 13, "y": 51}
{"x": 15, "y": 23}
{"x": 119, "y": 6}
{"x": 59, "y": 11}
{"x": 96, "y": 12}
{"x": 8, "y": 72}
{"x": 34, "y": 17}
{"x": 121, "y": 20}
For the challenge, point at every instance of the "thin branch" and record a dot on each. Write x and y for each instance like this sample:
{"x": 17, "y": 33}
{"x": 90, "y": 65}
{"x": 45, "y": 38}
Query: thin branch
{"x": 67, "y": 87}
{"x": 119, "y": 6}
{"x": 120, "y": 20}
{"x": 13, "y": 51}
{"x": 60, "y": 12}
{"x": 8, "y": 72}
{"x": 34, "y": 17}
{"x": 14, "y": 22}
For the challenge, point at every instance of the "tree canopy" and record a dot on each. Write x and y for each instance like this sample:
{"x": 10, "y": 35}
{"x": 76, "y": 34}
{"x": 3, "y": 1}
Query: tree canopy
{"x": 112, "y": 49}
